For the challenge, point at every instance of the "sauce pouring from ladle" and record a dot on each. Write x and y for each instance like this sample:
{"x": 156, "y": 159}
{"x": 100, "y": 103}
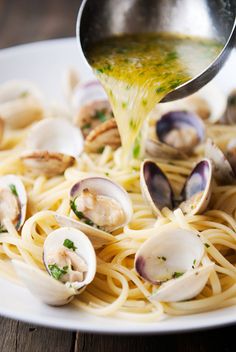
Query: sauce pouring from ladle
{"x": 155, "y": 51}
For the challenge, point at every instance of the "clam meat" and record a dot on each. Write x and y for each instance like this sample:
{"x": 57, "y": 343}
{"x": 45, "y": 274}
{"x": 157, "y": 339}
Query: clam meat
{"x": 70, "y": 262}
{"x": 52, "y": 146}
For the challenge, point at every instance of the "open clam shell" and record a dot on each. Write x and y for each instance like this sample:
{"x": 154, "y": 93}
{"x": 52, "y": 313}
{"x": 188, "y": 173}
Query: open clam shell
{"x": 60, "y": 285}
{"x": 53, "y": 145}
{"x": 185, "y": 287}
{"x": 168, "y": 254}
{"x": 98, "y": 237}
{"x": 91, "y": 106}
{"x": 157, "y": 149}
{"x": 13, "y": 200}
{"x": 181, "y": 130}
{"x": 101, "y": 203}
{"x": 156, "y": 187}
{"x": 43, "y": 286}
{"x": 222, "y": 170}
{"x": 20, "y": 104}
{"x": 194, "y": 196}
{"x": 231, "y": 154}
{"x": 197, "y": 190}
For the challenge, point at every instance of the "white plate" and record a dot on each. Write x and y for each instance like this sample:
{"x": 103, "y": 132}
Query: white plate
{"x": 43, "y": 63}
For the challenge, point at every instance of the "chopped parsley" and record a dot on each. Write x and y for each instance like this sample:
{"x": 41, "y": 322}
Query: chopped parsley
{"x": 24, "y": 94}
{"x": 107, "y": 173}
{"x": 13, "y": 190}
{"x": 176, "y": 275}
{"x": 206, "y": 245}
{"x": 57, "y": 272}
{"x": 162, "y": 258}
{"x": 132, "y": 124}
{"x": 100, "y": 150}
{"x": 81, "y": 215}
{"x": 2, "y": 229}
{"x": 86, "y": 126}
{"x": 100, "y": 115}
{"x": 160, "y": 89}
{"x": 173, "y": 55}
{"x": 194, "y": 262}
{"x": 136, "y": 149}
{"x": 69, "y": 244}
{"x": 124, "y": 105}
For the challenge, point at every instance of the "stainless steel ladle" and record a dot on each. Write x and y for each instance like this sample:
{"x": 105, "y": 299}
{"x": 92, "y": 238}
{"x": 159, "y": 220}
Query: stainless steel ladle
{"x": 213, "y": 19}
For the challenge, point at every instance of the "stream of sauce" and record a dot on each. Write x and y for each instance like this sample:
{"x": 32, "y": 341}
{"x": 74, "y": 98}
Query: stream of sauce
{"x": 137, "y": 71}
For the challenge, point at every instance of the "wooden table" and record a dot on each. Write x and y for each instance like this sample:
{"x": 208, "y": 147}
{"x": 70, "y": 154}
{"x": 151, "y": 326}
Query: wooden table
{"x": 24, "y": 21}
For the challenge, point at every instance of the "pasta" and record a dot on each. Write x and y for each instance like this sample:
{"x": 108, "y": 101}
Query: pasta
{"x": 117, "y": 288}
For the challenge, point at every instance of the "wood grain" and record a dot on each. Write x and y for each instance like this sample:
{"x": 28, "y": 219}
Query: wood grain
{"x": 23, "y": 21}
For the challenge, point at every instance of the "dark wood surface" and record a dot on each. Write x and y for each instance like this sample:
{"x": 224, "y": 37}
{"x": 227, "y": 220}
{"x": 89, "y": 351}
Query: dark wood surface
{"x": 23, "y": 21}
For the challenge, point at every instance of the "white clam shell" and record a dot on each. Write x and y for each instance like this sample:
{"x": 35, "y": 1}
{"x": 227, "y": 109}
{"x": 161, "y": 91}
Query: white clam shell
{"x": 167, "y": 253}
{"x": 185, "y": 287}
{"x": 85, "y": 250}
{"x": 98, "y": 237}
{"x": 42, "y": 285}
{"x": 7, "y": 180}
{"x": 53, "y": 145}
{"x": 20, "y": 103}
{"x": 86, "y": 93}
{"x": 157, "y": 149}
{"x": 106, "y": 187}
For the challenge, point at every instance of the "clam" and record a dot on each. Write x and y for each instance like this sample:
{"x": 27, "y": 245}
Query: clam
{"x": 172, "y": 258}
{"x": 13, "y": 201}
{"x": 100, "y": 205}
{"x": 98, "y": 237}
{"x": 229, "y": 117}
{"x": 90, "y": 105}
{"x": 70, "y": 262}
{"x": 104, "y": 134}
{"x": 53, "y": 145}
{"x": 223, "y": 169}
{"x": 20, "y": 104}
{"x": 194, "y": 196}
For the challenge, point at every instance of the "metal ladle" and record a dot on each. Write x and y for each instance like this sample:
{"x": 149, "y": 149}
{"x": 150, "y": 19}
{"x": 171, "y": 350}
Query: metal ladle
{"x": 211, "y": 19}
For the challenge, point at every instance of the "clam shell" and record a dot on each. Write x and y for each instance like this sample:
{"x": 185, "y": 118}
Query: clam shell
{"x": 180, "y": 120}
{"x": 42, "y": 285}
{"x": 229, "y": 117}
{"x": 222, "y": 170}
{"x": 85, "y": 250}
{"x": 155, "y": 186}
{"x": 197, "y": 190}
{"x": 104, "y": 134}
{"x": 20, "y": 104}
{"x": 167, "y": 253}
{"x": 5, "y": 182}
{"x": 105, "y": 187}
{"x": 98, "y": 237}
{"x": 157, "y": 149}
{"x": 185, "y": 287}
{"x": 53, "y": 145}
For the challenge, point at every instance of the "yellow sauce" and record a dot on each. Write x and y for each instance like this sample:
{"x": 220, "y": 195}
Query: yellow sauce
{"x": 137, "y": 71}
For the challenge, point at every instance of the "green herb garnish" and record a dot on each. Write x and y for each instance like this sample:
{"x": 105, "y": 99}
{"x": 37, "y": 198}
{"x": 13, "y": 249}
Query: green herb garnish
{"x": 100, "y": 150}
{"x": 176, "y": 275}
{"x": 100, "y": 115}
{"x": 81, "y": 215}
{"x": 24, "y": 94}
{"x": 206, "y": 245}
{"x": 86, "y": 126}
{"x": 160, "y": 89}
{"x": 69, "y": 244}
{"x": 57, "y": 272}
{"x": 2, "y": 229}
{"x": 13, "y": 190}
{"x": 162, "y": 258}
